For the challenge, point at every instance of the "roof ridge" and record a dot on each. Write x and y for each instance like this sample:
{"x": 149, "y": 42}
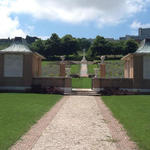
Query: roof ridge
{"x": 18, "y": 45}
{"x": 144, "y": 46}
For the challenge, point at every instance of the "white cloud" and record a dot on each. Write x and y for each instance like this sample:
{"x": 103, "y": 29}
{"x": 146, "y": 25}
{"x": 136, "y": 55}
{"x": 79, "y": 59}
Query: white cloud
{"x": 8, "y": 27}
{"x": 136, "y": 25}
{"x": 78, "y": 11}
{"x": 102, "y": 12}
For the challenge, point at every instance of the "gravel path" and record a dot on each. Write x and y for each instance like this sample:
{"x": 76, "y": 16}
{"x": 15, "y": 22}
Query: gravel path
{"x": 83, "y": 71}
{"x": 78, "y": 125}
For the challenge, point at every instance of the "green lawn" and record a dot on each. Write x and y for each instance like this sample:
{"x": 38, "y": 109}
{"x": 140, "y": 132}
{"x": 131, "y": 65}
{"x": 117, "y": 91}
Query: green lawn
{"x": 81, "y": 82}
{"x": 44, "y": 63}
{"x": 134, "y": 113}
{"x": 18, "y": 112}
{"x": 114, "y": 68}
{"x": 75, "y": 69}
{"x": 50, "y": 68}
{"x": 91, "y": 68}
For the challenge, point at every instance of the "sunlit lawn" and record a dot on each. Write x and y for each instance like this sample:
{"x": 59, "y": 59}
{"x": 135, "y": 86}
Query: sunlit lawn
{"x": 81, "y": 82}
{"x": 18, "y": 112}
{"x": 75, "y": 69}
{"x": 114, "y": 68}
{"x": 91, "y": 68}
{"x": 134, "y": 113}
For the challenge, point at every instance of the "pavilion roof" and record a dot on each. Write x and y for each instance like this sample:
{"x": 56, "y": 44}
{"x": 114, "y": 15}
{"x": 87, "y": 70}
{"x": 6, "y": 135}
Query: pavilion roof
{"x": 19, "y": 45}
{"x": 144, "y": 47}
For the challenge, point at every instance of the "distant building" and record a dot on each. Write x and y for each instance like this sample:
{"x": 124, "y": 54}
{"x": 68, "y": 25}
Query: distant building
{"x": 143, "y": 33}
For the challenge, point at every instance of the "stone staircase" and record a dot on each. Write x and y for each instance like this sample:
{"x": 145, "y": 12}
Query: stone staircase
{"x": 84, "y": 92}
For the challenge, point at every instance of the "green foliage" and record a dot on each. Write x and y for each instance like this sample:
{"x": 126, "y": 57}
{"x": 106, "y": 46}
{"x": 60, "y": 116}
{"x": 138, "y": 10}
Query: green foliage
{"x": 18, "y": 112}
{"x": 53, "y": 45}
{"x": 38, "y": 46}
{"x": 99, "y": 46}
{"x": 134, "y": 114}
{"x": 69, "y": 45}
{"x": 130, "y": 46}
{"x": 117, "y": 48}
{"x": 72, "y": 47}
{"x": 84, "y": 43}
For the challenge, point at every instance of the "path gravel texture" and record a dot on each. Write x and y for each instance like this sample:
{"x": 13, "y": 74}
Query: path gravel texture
{"x": 79, "y": 125}
{"x": 84, "y": 70}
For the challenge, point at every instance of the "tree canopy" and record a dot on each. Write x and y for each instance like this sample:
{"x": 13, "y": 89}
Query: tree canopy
{"x": 71, "y": 46}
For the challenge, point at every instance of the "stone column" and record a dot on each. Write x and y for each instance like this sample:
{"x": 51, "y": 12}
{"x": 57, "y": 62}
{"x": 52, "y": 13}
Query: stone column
{"x": 102, "y": 70}
{"x": 102, "y": 67}
{"x": 62, "y": 67}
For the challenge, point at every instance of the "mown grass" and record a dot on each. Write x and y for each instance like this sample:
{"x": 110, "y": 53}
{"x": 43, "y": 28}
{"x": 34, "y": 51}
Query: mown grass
{"x": 91, "y": 68}
{"x": 18, "y": 112}
{"x": 134, "y": 113}
{"x": 50, "y": 68}
{"x": 114, "y": 68}
{"x": 44, "y": 63}
{"x": 75, "y": 69}
{"x": 81, "y": 82}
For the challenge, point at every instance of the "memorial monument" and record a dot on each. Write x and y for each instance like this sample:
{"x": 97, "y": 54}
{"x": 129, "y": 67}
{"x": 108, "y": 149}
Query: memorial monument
{"x": 84, "y": 61}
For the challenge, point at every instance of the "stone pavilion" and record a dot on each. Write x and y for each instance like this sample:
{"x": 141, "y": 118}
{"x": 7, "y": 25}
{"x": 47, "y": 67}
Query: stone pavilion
{"x": 18, "y": 65}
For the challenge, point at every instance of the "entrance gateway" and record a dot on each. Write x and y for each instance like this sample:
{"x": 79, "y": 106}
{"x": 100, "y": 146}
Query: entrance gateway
{"x": 83, "y": 85}
{"x": 25, "y": 71}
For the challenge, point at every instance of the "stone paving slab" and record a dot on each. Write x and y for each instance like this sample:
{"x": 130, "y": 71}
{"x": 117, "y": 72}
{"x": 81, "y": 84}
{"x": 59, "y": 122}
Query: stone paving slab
{"x": 79, "y": 125}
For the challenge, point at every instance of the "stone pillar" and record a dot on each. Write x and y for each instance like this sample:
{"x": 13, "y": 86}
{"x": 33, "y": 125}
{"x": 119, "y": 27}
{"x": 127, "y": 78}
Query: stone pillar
{"x": 102, "y": 70}
{"x": 62, "y": 69}
{"x": 102, "y": 67}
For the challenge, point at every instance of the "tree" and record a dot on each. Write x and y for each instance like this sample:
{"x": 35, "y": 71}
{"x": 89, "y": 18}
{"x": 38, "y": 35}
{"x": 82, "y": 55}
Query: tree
{"x": 84, "y": 43}
{"x": 39, "y": 46}
{"x": 130, "y": 46}
{"x": 117, "y": 48}
{"x": 100, "y": 46}
{"x": 53, "y": 45}
{"x": 69, "y": 45}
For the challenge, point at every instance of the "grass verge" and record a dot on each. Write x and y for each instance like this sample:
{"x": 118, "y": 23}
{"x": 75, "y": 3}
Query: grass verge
{"x": 18, "y": 112}
{"x": 81, "y": 82}
{"x": 75, "y": 69}
{"x": 91, "y": 68}
{"x": 134, "y": 113}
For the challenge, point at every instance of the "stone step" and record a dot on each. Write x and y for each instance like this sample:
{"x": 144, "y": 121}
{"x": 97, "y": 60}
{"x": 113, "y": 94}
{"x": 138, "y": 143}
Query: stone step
{"x": 84, "y": 92}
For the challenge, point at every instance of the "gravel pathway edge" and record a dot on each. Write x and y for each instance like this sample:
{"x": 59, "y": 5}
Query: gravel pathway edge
{"x": 27, "y": 141}
{"x": 119, "y": 134}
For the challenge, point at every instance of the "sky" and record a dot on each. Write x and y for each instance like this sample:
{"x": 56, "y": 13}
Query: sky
{"x": 80, "y": 18}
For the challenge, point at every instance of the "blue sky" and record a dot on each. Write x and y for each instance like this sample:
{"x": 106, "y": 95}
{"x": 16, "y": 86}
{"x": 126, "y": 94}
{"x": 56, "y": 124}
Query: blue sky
{"x": 81, "y": 18}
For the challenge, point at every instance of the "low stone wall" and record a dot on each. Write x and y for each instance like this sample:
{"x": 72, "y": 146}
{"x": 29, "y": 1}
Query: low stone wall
{"x": 129, "y": 84}
{"x": 63, "y": 83}
{"x": 101, "y": 83}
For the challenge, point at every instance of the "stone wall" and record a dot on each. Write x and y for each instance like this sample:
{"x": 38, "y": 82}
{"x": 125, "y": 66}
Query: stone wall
{"x": 129, "y": 84}
{"x": 99, "y": 83}
{"x": 63, "y": 83}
